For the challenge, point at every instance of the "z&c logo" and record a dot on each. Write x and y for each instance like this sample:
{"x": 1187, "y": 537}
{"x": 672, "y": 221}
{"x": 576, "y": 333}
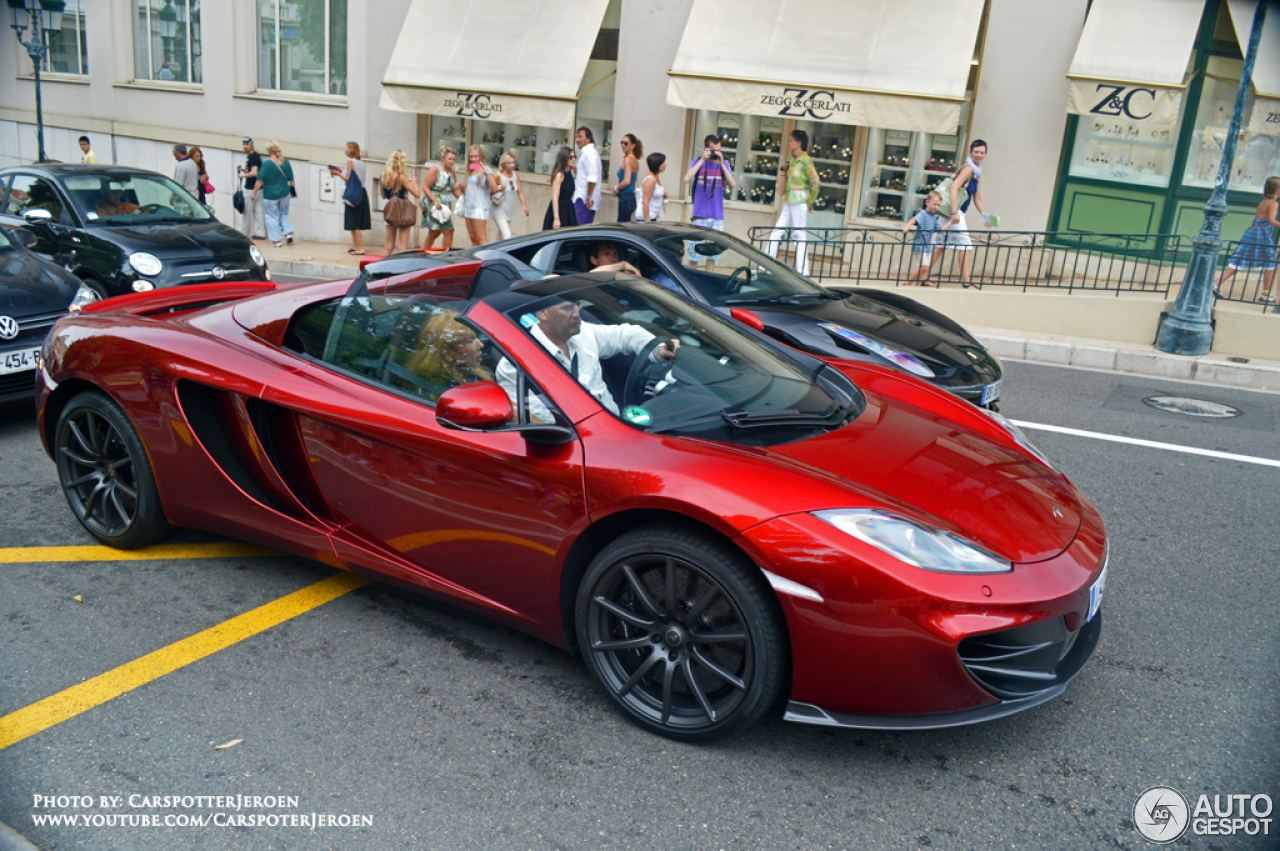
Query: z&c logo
{"x": 471, "y": 105}
{"x": 1117, "y": 104}
{"x": 1161, "y": 815}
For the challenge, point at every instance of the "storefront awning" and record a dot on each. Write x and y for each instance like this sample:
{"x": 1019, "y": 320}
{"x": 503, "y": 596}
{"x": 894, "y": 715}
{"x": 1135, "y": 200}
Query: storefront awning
{"x": 884, "y": 63}
{"x": 1265, "y": 118}
{"x": 1132, "y": 57}
{"x": 493, "y": 59}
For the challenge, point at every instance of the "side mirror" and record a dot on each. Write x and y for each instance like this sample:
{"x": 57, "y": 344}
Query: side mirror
{"x": 38, "y": 216}
{"x": 481, "y": 406}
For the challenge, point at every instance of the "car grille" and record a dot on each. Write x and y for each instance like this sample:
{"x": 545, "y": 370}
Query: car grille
{"x": 1026, "y": 660}
{"x": 31, "y": 330}
{"x": 17, "y": 384}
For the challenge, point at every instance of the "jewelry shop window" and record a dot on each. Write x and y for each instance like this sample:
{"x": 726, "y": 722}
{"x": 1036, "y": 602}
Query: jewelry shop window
{"x": 166, "y": 40}
{"x": 302, "y": 46}
{"x": 831, "y": 149}
{"x": 750, "y": 145}
{"x": 1256, "y": 154}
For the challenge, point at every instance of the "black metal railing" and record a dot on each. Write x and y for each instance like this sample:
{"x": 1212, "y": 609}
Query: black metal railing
{"x": 1153, "y": 264}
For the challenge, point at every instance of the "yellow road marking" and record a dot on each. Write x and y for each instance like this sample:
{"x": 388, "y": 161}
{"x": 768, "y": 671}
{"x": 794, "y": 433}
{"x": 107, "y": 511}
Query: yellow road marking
{"x": 68, "y": 703}
{"x": 17, "y": 555}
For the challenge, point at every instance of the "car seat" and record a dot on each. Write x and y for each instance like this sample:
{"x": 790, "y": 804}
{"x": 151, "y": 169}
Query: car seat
{"x": 495, "y": 275}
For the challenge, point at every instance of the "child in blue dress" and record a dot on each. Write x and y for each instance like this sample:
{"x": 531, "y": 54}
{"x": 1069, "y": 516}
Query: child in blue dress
{"x": 1257, "y": 249}
{"x": 929, "y": 223}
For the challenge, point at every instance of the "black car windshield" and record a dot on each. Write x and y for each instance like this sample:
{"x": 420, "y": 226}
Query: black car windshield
{"x": 728, "y": 271}
{"x": 661, "y": 364}
{"x": 115, "y": 199}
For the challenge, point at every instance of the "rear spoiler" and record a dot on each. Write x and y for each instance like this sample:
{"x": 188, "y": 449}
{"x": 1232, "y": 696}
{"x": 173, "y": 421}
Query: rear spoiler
{"x": 177, "y": 300}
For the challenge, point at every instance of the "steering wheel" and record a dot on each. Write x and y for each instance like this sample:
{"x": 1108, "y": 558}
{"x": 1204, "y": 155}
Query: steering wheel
{"x": 740, "y": 277}
{"x": 151, "y": 208}
{"x": 643, "y": 372}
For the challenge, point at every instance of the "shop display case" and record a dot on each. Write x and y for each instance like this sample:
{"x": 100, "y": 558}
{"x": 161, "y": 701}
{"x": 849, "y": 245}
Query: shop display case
{"x": 751, "y": 146}
{"x": 534, "y": 148}
{"x": 1112, "y": 149}
{"x": 831, "y": 149}
{"x": 902, "y": 168}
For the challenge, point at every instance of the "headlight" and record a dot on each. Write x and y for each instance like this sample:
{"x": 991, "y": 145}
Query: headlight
{"x": 911, "y": 364}
{"x": 915, "y": 543}
{"x": 256, "y": 256}
{"x": 85, "y": 295}
{"x": 1020, "y": 438}
{"x": 143, "y": 286}
{"x": 145, "y": 264}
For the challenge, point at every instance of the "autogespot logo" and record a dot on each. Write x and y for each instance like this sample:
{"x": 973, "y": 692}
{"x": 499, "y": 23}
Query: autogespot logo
{"x": 1161, "y": 814}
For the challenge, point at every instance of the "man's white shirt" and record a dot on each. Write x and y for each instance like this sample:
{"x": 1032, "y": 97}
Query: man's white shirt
{"x": 587, "y": 347}
{"x": 588, "y": 172}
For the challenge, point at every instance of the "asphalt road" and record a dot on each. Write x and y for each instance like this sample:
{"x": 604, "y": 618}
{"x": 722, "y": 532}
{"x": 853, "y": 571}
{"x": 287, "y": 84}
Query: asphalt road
{"x": 450, "y": 732}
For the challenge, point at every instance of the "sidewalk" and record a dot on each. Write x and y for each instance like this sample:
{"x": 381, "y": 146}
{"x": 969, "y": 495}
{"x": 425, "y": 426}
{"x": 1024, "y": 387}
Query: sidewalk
{"x": 1030, "y": 342}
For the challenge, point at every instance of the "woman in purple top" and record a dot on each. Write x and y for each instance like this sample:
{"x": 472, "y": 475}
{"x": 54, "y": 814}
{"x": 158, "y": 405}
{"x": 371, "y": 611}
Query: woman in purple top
{"x": 707, "y": 176}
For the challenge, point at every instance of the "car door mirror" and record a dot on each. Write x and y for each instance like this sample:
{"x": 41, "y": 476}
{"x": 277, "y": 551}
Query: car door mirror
{"x": 38, "y": 216}
{"x": 482, "y": 406}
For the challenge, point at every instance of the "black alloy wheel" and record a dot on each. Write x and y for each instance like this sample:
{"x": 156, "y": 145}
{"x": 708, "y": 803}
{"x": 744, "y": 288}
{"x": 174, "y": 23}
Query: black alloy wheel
{"x": 683, "y": 633}
{"x": 105, "y": 474}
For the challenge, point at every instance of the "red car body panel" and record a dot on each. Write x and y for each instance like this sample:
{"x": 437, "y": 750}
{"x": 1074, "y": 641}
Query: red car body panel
{"x": 363, "y": 479}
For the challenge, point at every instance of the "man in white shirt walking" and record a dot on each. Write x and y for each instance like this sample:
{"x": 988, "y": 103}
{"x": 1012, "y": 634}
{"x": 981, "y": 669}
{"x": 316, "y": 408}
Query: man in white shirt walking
{"x": 185, "y": 173}
{"x": 586, "y": 185}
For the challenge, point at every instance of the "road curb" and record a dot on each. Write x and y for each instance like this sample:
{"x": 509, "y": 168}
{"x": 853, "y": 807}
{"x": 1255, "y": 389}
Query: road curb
{"x": 11, "y": 840}
{"x": 309, "y": 269}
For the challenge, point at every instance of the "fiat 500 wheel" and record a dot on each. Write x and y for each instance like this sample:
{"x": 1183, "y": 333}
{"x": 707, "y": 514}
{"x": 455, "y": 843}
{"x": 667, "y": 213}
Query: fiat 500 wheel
{"x": 105, "y": 474}
{"x": 682, "y": 632}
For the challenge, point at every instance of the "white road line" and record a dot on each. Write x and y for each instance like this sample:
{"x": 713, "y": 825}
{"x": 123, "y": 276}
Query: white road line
{"x": 1151, "y": 444}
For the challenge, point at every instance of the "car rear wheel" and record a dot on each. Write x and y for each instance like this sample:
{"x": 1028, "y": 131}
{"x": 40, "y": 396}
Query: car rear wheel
{"x": 682, "y": 632}
{"x": 105, "y": 474}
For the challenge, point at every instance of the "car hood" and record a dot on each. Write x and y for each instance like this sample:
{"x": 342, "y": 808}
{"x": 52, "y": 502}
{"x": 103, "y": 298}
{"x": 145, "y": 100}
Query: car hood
{"x": 945, "y": 350}
{"x": 211, "y": 239}
{"x": 30, "y": 286}
{"x": 949, "y": 471}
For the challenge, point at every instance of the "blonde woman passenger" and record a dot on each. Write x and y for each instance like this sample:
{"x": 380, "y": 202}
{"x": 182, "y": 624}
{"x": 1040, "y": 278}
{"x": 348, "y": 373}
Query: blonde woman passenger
{"x": 440, "y": 189}
{"x": 506, "y": 181}
{"x": 448, "y": 354}
{"x": 475, "y": 199}
{"x": 397, "y": 183}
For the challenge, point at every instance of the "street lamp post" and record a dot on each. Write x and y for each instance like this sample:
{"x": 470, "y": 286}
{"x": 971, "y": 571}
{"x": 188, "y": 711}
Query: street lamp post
{"x": 36, "y": 16}
{"x": 1188, "y": 329}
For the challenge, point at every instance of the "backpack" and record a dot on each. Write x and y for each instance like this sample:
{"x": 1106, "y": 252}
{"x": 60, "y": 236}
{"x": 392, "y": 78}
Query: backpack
{"x": 944, "y": 189}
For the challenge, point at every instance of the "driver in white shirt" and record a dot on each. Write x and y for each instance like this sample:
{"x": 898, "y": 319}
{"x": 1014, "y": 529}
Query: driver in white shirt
{"x": 579, "y": 347}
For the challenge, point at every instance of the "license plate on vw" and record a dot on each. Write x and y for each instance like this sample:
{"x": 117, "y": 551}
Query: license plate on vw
{"x": 1095, "y": 593}
{"x": 19, "y": 361}
{"x": 991, "y": 393}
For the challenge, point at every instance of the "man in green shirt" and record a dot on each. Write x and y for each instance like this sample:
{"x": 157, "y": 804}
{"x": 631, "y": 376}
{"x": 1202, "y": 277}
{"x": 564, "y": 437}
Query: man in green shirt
{"x": 800, "y": 183}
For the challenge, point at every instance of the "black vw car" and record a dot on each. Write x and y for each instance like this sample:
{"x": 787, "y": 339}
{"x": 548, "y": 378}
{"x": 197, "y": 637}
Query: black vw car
{"x": 730, "y": 276}
{"x": 124, "y": 230}
{"x": 34, "y": 292}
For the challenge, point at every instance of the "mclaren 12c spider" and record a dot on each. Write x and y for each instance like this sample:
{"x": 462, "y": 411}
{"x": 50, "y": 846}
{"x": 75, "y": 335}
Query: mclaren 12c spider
{"x": 720, "y": 525}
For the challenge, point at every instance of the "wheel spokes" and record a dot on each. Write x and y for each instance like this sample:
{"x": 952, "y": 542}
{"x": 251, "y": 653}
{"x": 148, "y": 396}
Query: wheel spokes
{"x": 642, "y": 594}
{"x": 625, "y": 644}
{"x": 717, "y": 637}
{"x": 696, "y": 688}
{"x": 668, "y": 677}
{"x": 699, "y": 607}
{"x": 623, "y": 614}
{"x": 654, "y": 658}
{"x": 716, "y": 669}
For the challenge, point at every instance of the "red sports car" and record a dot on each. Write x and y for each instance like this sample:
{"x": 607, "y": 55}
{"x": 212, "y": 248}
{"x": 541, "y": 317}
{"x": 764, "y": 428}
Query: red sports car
{"x": 715, "y": 522}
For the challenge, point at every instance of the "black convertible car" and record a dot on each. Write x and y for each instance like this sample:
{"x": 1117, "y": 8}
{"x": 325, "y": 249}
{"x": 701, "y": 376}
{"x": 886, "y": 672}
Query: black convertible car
{"x": 730, "y": 276}
{"x": 124, "y": 230}
{"x": 34, "y": 293}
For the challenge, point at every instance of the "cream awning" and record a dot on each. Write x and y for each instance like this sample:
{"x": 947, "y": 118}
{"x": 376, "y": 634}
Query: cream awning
{"x": 1266, "y": 68}
{"x": 1132, "y": 58}
{"x": 885, "y": 63}
{"x": 515, "y": 62}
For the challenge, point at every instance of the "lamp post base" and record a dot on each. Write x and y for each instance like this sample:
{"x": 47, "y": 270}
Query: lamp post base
{"x": 1178, "y": 336}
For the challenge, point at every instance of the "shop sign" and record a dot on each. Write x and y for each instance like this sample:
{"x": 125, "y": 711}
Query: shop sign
{"x": 1265, "y": 118}
{"x": 796, "y": 102}
{"x": 1126, "y": 102}
{"x": 472, "y": 105}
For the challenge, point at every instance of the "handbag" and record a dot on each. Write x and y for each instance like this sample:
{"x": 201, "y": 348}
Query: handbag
{"x": 399, "y": 212}
{"x": 496, "y": 198}
{"x": 460, "y": 208}
{"x": 208, "y": 188}
{"x": 237, "y": 199}
{"x": 354, "y": 193}
{"x": 944, "y": 189}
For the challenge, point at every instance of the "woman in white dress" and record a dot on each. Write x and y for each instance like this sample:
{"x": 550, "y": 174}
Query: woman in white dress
{"x": 475, "y": 198}
{"x": 655, "y": 196}
{"x": 507, "y": 182}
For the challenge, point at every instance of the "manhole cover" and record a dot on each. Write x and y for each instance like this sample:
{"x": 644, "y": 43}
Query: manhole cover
{"x": 1192, "y": 407}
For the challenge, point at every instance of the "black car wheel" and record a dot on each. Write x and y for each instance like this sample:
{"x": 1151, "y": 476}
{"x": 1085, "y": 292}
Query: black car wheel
{"x": 105, "y": 474}
{"x": 682, "y": 632}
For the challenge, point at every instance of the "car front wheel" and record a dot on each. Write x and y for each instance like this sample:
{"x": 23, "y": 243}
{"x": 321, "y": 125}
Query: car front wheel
{"x": 105, "y": 474}
{"x": 682, "y": 632}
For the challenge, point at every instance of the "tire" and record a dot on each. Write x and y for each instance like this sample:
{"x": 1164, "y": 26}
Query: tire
{"x": 105, "y": 474}
{"x": 707, "y": 672}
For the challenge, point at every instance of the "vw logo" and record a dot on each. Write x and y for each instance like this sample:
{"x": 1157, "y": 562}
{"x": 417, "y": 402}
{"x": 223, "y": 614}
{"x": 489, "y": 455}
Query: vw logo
{"x": 8, "y": 327}
{"x": 219, "y": 272}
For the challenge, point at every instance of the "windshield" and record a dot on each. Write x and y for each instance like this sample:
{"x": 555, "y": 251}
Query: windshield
{"x": 132, "y": 199}
{"x": 661, "y": 364}
{"x": 728, "y": 271}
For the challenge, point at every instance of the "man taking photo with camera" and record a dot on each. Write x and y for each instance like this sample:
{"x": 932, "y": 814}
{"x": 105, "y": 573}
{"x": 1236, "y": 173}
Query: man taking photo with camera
{"x": 707, "y": 176}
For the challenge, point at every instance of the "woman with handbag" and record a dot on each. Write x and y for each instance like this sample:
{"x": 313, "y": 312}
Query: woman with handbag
{"x": 560, "y": 212}
{"x": 475, "y": 201}
{"x": 355, "y": 200}
{"x": 967, "y": 181}
{"x": 398, "y": 211}
{"x": 439, "y": 189}
{"x": 504, "y": 187}
{"x": 202, "y": 175}
{"x": 275, "y": 182}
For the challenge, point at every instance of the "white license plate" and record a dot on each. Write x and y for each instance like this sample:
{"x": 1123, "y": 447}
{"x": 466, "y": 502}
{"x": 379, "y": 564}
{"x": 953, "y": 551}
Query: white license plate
{"x": 991, "y": 393}
{"x": 1095, "y": 593}
{"x": 19, "y": 361}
